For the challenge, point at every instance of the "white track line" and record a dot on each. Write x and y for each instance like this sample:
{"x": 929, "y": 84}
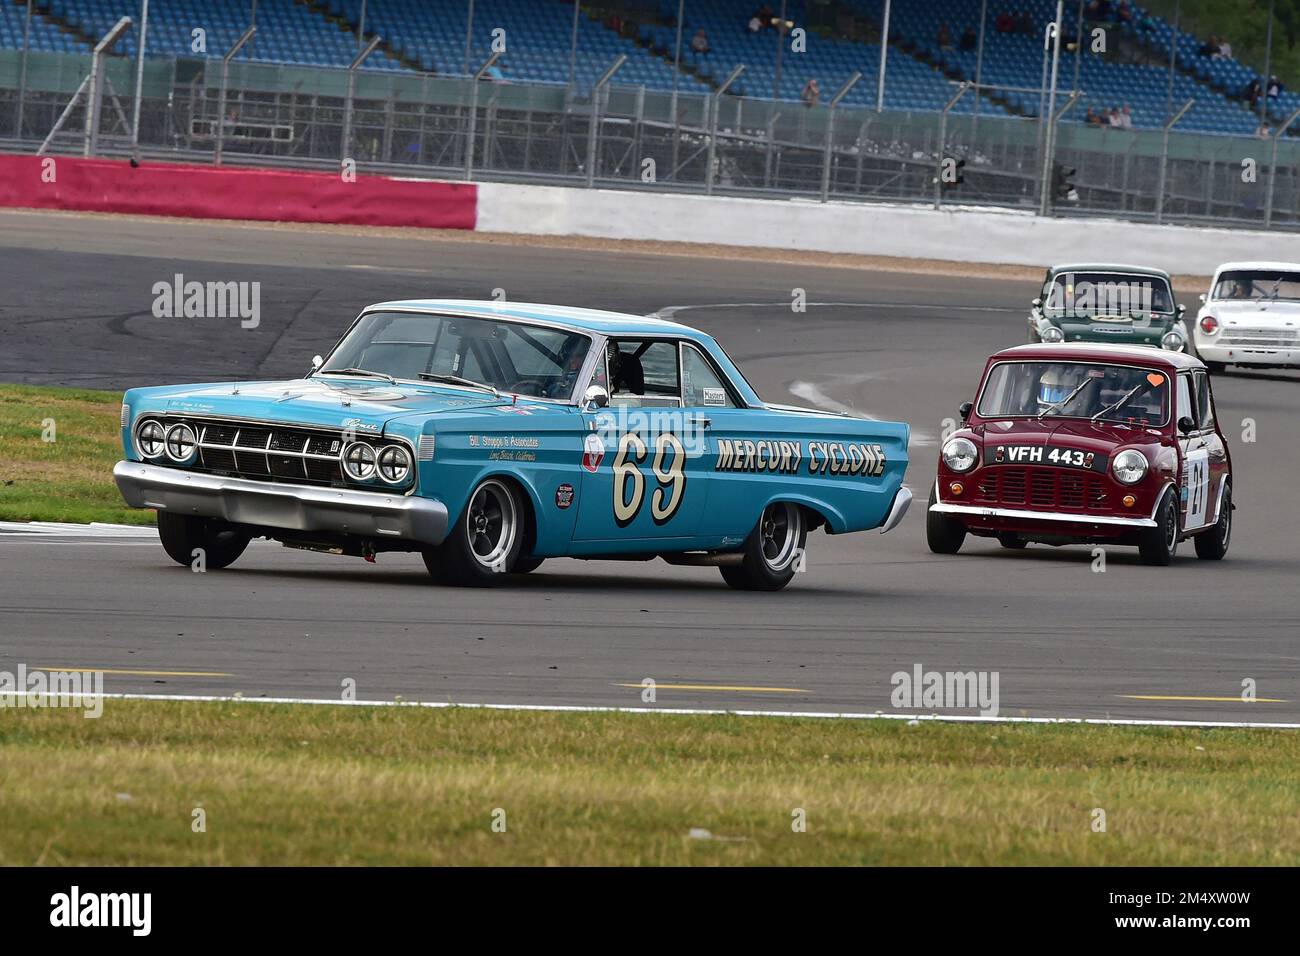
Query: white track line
{"x": 687, "y": 711}
{"x": 95, "y": 529}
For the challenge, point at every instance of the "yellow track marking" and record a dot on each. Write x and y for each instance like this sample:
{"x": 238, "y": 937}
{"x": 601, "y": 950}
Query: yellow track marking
{"x": 1227, "y": 700}
{"x": 723, "y": 687}
{"x": 105, "y": 670}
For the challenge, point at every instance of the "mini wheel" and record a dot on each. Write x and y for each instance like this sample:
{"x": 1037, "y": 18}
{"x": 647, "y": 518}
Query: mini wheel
{"x": 1158, "y": 545}
{"x": 1212, "y": 545}
{"x": 943, "y": 534}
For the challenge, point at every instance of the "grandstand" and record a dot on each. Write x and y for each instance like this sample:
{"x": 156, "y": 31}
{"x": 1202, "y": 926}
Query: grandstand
{"x": 428, "y": 36}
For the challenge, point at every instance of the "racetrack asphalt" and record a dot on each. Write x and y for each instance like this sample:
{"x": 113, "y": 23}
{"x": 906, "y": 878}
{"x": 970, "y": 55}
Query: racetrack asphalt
{"x": 1064, "y": 640}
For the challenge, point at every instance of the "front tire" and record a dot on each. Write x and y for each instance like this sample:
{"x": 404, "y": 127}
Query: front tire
{"x": 1158, "y": 545}
{"x": 183, "y": 535}
{"x": 1212, "y": 545}
{"x": 484, "y": 544}
{"x": 773, "y": 550}
{"x": 1012, "y": 541}
{"x": 944, "y": 535}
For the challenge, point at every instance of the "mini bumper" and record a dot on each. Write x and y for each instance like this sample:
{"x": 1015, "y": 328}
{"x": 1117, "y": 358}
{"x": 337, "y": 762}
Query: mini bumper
{"x": 902, "y": 499}
{"x": 1050, "y": 517}
{"x": 292, "y": 507}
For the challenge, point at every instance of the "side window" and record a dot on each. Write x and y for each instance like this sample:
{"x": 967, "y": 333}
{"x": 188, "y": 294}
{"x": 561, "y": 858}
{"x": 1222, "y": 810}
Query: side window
{"x": 1204, "y": 404}
{"x": 701, "y": 384}
{"x": 1184, "y": 399}
{"x": 644, "y": 373}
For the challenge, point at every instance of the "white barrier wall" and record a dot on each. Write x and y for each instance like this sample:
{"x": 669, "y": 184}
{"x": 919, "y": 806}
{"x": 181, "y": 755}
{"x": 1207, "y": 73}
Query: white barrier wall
{"x": 959, "y": 234}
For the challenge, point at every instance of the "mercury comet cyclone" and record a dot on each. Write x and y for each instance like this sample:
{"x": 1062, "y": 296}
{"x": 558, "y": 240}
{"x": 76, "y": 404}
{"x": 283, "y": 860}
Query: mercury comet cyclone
{"x": 489, "y": 437}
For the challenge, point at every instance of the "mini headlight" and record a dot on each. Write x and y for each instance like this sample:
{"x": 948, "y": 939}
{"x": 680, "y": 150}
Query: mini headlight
{"x": 359, "y": 461}
{"x": 1173, "y": 341}
{"x": 1129, "y": 467}
{"x": 181, "y": 442}
{"x": 1052, "y": 334}
{"x": 394, "y": 464}
{"x": 960, "y": 454}
{"x": 150, "y": 438}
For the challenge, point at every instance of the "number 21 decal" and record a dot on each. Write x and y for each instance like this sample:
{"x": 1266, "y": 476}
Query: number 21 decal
{"x": 668, "y": 466}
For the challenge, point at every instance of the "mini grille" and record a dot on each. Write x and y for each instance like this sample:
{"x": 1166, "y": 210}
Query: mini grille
{"x": 1045, "y": 488}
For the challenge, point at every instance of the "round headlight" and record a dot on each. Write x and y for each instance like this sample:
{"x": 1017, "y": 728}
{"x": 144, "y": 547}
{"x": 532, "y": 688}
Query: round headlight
{"x": 960, "y": 454}
{"x": 1173, "y": 341}
{"x": 394, "y": 464}
{"x": 359, "y": 461}
{"x": 1052, "y": 334}
{"x": 150, "y": 438}
{"x": 181, "y": 442}
{"x": 1209, "y": 324}
{"x": 1129, "y": 467}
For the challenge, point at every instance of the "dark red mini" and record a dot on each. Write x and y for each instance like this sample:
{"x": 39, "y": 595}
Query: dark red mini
{"x": 1087, "y": 444}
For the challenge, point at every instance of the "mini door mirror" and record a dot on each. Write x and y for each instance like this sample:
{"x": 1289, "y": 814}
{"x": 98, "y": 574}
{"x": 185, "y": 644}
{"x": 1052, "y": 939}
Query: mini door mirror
{"x": 1186, "y": 425}
{"x": 964, "y": 410}
{"x": 1036, "y": 303}
{"x": 595, "y": 397}
{"x": 1181, "y": 310}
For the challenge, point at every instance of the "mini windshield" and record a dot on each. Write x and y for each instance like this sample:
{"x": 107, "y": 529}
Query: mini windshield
{"x": 1090, "y": 294}
{"x": 508, "y": 356}
{"x": 1116, "y": 393}
{"x": 1244, "y": 284}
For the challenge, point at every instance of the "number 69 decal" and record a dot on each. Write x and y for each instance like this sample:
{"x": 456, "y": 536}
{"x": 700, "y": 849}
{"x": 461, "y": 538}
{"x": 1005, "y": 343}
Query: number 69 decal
{"x": 668, "y": 467}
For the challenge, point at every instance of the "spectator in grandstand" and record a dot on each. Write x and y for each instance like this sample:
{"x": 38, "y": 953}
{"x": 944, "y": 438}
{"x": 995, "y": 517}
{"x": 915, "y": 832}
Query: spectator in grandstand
{"x": 767, "y": 16}
{"x": 1098, "y": 10}
{"x": 755, "y": 24}
{"x": 944, "y": 38}
{"x": 1092, "y": 119}
{"x": 1005, "y": 22}
{"x": 1126, "y": 118}
{"x": 1274, "y": 87}
{"x": 811, "y": 94}
{"x": 700, "y": 42}
{"x": 969, "y": 40}
{"x": 1209, "y": 47}
{"x": 1224, "y": 52}
{"x": 1263, "y": 132}
{"x": 1253, "y": 91}
{"x": 1124, "y": 12}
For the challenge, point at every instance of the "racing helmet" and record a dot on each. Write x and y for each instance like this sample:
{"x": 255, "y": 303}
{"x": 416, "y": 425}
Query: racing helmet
{"x": 1056, "y": 383}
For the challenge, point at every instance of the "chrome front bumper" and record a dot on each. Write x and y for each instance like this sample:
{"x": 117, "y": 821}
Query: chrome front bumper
{"x": 1056, "y": 516}
{"x": 902, "y": 499}
{"x": 266, "y": 504}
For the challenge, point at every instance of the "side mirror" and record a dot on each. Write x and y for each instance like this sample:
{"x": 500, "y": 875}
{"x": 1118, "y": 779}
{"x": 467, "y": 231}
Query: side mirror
{"x": 1181, "y": 310}
{"x": 1202, "y": 297}
{"x": 316, "y": 362}
{"x": 1186, "y": 425}
{"x": 1036, "y": 303}
{"x": 964, "y": 410}
{"x": 594, "y": 398}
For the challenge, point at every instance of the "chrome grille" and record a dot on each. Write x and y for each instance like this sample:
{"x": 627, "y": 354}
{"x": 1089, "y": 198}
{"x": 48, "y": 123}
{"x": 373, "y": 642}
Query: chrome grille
{"x": 1261, "y": 338}
{"x": 270, "y": 452}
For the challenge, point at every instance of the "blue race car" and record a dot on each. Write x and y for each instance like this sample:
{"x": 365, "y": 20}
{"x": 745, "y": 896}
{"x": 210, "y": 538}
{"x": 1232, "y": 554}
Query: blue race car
{"x": 489, "y": 436}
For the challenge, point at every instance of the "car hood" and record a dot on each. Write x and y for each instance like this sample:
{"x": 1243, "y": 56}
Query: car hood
{"x": 1264, "y": 313}
{"x": 1070, "y": 432}
{"x": 327, "y": 403}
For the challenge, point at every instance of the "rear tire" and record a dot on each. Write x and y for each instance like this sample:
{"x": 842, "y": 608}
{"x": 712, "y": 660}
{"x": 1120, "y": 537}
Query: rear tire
{"x": 1158, "y": 545}
{"x": 1012, "y": 541}
{"x": 526, "y": 565}
{"x": 944, "y": 535}
{"x": 772, "y": 551}
{"x": 1212, "y": 545}
{"x": 483, "y": 546}
{"x": 182, "y": 535}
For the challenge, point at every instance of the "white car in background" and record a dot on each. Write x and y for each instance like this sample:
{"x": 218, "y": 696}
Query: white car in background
{"x": 1250, "y": 317}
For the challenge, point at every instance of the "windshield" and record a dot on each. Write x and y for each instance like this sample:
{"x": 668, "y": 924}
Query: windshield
{"x": 1257, "y": 284}
{"x": 1091, "y": 294}
{"x": 509, "y": 356}
{"x": 1115, "y": 393}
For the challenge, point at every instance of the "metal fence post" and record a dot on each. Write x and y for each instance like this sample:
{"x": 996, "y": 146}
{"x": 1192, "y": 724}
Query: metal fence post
{"x": 1050, "y": 133}
{"x": 352, "y": 79}
{"x": 943, "y": 142}
{"x": 713, "y": 125}
{"x": 95, "y": 94}
{"x": 593, "y": 129}
{"x": 22, "y": 70}
{"x": 1164, "y": 158}
{"x": 225, "y": 84}
{"x": 1272, "y": 169}
{"x": 830, "y": 131}
{"x": 139, "y": 76}
{"x": 473, "y": 112}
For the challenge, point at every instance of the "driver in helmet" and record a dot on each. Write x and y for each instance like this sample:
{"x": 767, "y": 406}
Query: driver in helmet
{"x": 1057, "y": 383}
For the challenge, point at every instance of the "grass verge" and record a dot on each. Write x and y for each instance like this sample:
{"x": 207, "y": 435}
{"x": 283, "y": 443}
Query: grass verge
{"x": 71, "y": 477}
{"x": 297, "y": 784}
